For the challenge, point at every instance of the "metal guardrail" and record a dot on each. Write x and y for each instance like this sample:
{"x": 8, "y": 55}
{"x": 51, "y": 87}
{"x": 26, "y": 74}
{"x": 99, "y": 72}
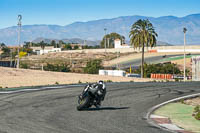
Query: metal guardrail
{"x": 7, "y": 63}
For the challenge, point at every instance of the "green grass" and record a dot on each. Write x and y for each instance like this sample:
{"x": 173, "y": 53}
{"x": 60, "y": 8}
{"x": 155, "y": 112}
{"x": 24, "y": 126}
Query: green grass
{"x": 181, "y": 115}
{"x": 177, "y": 58}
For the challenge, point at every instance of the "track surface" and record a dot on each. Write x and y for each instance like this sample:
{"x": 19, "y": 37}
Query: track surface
{"x": 54, "y": 111}
{"x": 149, "y": 60}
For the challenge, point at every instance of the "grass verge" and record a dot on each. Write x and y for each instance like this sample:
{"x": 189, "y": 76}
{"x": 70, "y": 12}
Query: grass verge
{"x": 181, "y": 115}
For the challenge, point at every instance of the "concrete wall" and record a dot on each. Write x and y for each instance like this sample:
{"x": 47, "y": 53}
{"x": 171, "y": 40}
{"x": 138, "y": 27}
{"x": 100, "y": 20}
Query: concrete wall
{"x": 191, "y": 49}
{"x": 112, "y": 50}
{"x": 47, "y": 51}
{"x": 194, "y": 48}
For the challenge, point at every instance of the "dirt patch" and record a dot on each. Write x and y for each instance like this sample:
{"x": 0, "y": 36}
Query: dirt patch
{"x": 11, "y": 77}
{"x": 193, "y": 101}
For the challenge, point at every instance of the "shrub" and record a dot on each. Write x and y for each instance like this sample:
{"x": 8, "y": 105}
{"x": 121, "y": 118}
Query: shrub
{"x": 158, "y": 68}
{"x": 197, "y": 116}
{"x": 197, "y": 109}
{"x": 79, "y": 82}
{"x": 24, "y": 65}
{"x": 57, "y": 83}
{"x": 182, "y": 101}
{"x": 177, "y": 80}
{"x": 109, "y": 81}
{"x": 57, "y": 68}
{"x": 93, "y": 66}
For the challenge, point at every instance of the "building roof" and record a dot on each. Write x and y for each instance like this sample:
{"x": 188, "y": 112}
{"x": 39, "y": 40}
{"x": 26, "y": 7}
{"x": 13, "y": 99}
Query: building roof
{"x": 117, "y": 39}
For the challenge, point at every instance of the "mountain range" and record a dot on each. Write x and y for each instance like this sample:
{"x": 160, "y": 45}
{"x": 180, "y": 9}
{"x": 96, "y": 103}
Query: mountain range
{"x": 72, "y": 40}
{"x": 169, "y": 29}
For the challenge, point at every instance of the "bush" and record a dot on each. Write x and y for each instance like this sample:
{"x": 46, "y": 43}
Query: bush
{"x": 197, "y": 109}
{"x": 57, "y": 83}
{"x": 57, "y": 68}
{"x": 197, "y": 116}
{"x": 182, "y": 101}
{"x": 196, "y": 112}
{"x": 158, "y": 68}
{"x": 67, "y": 47}
{"x": 24, "y": 65}
{"x": 93, "y": 66}
{"x": 177, "y": 80}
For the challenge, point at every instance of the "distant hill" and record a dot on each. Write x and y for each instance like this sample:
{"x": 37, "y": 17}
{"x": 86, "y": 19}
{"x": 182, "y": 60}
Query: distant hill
{"x": 160, "y": 43}
{"x": 73, "y": 40}
{"x": 169, "y": 29}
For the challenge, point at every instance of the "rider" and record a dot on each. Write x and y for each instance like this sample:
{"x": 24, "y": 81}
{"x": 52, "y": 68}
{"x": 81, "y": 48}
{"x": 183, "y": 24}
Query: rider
{"x": 100, "y": 93}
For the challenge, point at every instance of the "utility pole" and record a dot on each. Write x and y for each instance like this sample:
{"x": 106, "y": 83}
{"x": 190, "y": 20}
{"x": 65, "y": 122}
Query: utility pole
{"x": 85, "y": 44}
{"x": 11, "y": 57}
{"x": 117, "y": 59}
{"x": 105, "y": 39}
{"x": 19, "y": 30}
{"x": 108, "y": 42}
{"x": 184, "y": 31}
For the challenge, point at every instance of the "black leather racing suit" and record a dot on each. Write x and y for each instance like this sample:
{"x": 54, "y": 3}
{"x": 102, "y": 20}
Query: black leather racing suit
{"x": 101, "y": 92}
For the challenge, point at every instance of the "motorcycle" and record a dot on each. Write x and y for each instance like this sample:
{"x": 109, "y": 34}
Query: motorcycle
{"x": 89, "y": 97}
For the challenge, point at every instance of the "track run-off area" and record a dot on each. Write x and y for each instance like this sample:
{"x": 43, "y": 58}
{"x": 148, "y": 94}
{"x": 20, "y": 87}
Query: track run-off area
{"x": 54, "y": 110}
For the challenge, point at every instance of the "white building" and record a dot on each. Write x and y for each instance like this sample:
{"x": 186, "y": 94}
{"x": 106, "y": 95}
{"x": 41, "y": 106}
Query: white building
{"x": 196, "y": 68}
{"x": 119, "y": 73}
{"x": 118, "y": 44}
{"x": 47, "y": 49}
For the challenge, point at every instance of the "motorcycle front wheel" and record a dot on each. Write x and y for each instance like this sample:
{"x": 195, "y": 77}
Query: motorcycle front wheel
{"x": 84, "y": 103}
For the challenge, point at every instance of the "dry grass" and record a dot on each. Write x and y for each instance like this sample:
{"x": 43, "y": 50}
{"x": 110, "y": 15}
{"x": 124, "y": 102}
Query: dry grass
{"x": 193, "y": 101}
{"x": 11, "y": 77}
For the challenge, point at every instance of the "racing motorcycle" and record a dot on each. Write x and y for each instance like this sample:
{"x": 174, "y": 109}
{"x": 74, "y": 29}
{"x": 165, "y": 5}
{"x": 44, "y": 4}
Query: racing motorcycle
{"x": 92, "y": 94}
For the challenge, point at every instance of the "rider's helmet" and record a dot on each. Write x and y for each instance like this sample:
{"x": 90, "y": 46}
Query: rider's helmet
{"x": 100, "y": 82}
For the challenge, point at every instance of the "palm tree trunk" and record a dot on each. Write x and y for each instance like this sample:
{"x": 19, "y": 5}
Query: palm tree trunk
{"x": 142, "y": 63}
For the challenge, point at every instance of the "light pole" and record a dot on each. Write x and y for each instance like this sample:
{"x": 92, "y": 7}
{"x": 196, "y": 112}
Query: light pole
{"x": 105, "y": 39}
{"x": 108, "y": 39}
{"x": 184, "y": 31}
{"x": 19, "y": 30}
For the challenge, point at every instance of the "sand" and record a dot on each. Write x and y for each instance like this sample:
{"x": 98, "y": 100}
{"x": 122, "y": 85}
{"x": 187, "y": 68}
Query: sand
{"x": 12, "y": 77}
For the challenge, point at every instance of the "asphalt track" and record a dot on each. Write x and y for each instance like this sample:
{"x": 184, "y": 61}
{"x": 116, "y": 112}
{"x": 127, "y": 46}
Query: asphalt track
{"x": 54, "y": 110}
{"x": 149, "y": 60}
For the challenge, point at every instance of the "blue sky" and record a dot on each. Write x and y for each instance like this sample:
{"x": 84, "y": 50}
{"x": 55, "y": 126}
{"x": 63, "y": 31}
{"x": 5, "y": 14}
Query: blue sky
{"x": 63, "y": 12}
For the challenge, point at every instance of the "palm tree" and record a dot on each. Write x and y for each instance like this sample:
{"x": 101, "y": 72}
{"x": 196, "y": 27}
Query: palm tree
{"x": 142, "y": 34}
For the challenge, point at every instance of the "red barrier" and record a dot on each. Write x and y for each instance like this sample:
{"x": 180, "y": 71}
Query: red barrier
{"x": 151, "y": 75}
{"x": 166, "y": 76}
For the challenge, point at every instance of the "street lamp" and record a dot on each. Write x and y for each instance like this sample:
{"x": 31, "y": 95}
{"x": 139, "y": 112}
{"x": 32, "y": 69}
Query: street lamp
{"x": 105, "y": 39}
{"x": 184, "y": 31}
{"x": 19, "y": 30}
